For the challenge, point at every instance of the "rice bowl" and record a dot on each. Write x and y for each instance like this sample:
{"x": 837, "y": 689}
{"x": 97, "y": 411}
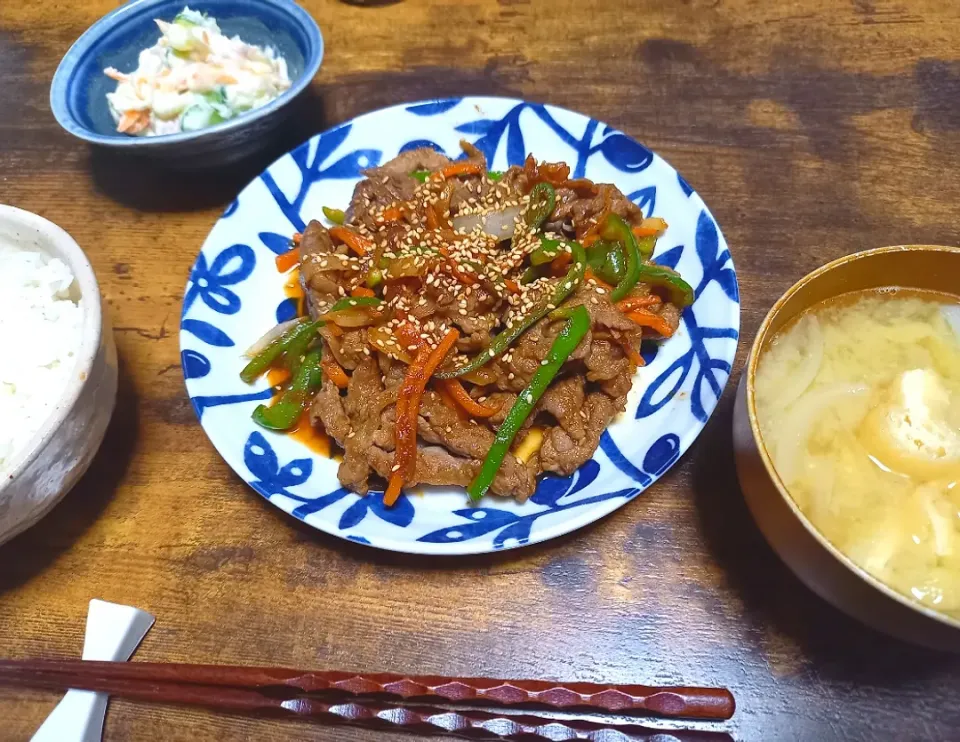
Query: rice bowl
{"x": 48, "y": 453}
{"x": 40, "y": 316}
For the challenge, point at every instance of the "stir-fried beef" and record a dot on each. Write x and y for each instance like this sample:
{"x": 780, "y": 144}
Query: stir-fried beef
{"x": 429, "y": 281}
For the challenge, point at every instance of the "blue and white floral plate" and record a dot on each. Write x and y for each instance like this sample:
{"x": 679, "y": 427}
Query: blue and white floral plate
{"x": 235, "y": 294}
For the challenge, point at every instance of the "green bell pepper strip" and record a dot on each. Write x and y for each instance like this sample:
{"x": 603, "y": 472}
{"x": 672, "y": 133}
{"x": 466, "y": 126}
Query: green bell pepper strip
{"x": 563, "y": 345}
{"x": 618, "y": 230}
{"x": 567, "y": 285}
{"x": 374, "y": 278}
{"x": 548, "y": 251}
{"x": 530, "y": 275}
{"x": 266, "y": 357}
{"x": 295, "y": 352}
{"x": 543, "y": 199}
{"x": 646, "y": 246}
{"x": 420, "y": 175}
{"x": 284, "y": 414}
{"x": 679, "y": 291}
{"x": 349, "y": 302}
{"x": 337, "y": 216}
{"x": 607, "y": 261}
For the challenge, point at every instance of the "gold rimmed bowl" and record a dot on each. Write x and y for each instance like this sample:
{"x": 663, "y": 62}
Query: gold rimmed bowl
{"x": 820, "y": 565}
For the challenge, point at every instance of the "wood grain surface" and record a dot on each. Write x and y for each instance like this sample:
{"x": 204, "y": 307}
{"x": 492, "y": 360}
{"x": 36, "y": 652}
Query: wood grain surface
{"x": 812, "y": 128}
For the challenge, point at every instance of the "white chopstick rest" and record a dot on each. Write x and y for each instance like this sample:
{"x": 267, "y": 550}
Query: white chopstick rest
{"x": 113, "y": 633}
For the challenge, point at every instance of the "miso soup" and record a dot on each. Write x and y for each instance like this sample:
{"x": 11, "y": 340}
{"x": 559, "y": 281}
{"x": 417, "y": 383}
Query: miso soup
{"x": 858, "y": 402}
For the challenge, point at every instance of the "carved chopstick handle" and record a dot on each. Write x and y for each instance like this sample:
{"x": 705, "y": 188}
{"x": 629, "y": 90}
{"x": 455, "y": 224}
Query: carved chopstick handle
{"x": 479, "y": 724}
{"x": 417, "y": 719}
{"x": 675, "y": 702}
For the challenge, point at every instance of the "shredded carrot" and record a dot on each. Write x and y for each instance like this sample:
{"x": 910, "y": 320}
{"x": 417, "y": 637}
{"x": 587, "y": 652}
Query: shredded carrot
{"x": 560, "y": 263}
{"x": 393, "y": 213}
{"x": 450, "y": 402}
{"x": 362, "y": 291}
{"x": 288, "y": 260}
{"x": 133, "y": 122}
{"x": 654, "y": 321}
{"x": 408, "y": 335}
{"x": 512, "y": 286}
{"x": 351, "y": 239}
{"x": 650, "y": 227}
{"x": 462, "y": 168}
{"x": 331, "y": 369}
{"x": 638, "y": 302}
{"x": 408, "y": 410}
{"x": 461, "y": 275}
{"x": 432, "y": 221}
{"x": 590, "y": 275}
{"x": 635, "y": 358}
{"x": 468, "y": 403}
{"x": 589, "y": 239}
{"x": 436, "y": 215}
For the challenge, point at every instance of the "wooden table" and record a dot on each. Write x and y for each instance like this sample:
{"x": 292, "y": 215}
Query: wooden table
{"x": 812, "y": 129}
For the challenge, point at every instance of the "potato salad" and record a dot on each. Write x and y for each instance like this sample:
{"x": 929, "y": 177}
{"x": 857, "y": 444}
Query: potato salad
{"x": 192, "y": 78}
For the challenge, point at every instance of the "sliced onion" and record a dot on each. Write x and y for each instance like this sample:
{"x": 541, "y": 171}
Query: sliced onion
{"x": 802, "y": 377}
{"x": 409, "y": 266}
{"x": 952, "y": 314}
{"x": 498, "y": 224}
{"x": 482, "y": 376}
{"x": 792, "y": 432}
{"x": 272, "y": 334}
{"x": 354, "y": 317}
{"x": 943, "y": 531}
{"x": 326, "y": 263}
{"x": 383, "y": 340}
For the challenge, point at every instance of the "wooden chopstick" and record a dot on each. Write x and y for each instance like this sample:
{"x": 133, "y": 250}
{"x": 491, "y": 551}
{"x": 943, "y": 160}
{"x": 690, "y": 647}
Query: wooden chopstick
{"x": 261, "y": 688}
{"x": 279, "y": 700}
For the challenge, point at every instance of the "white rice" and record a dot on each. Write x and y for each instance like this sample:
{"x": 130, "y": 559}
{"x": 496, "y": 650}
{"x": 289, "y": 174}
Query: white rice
{"x": 40, "y": 333}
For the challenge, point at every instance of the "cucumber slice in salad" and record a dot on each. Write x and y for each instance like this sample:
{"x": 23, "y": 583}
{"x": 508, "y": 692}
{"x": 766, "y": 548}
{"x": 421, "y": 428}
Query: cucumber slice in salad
{"x": 199, "y": 116}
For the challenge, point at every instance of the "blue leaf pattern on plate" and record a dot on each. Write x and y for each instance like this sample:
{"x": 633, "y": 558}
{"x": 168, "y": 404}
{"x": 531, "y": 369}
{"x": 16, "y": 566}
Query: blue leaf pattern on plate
{"x": 319, "y": 503}
{"x": 434, "y": 107}
{"x": 712, "y": 373}
{"x": 401, "y": 514}
{"x": 679, "y": 388}
{"x": 208, "y": 333}
{"x": 646, "y": 199}
{"x": 232, "y": 266}
{"x": 625, "y": 153}
{"x": 286, "y": 310}
{"x": 202, "y": 402}
{"x": 670, "y": 258}
{"x": 662, "y": 454}
{"x": 195, "y": 365}
{"x": 270, "y": 477}
{"x": 421, "y": 143}
{"x": 276, "y": 243}
{"x": 312, "y": 171}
